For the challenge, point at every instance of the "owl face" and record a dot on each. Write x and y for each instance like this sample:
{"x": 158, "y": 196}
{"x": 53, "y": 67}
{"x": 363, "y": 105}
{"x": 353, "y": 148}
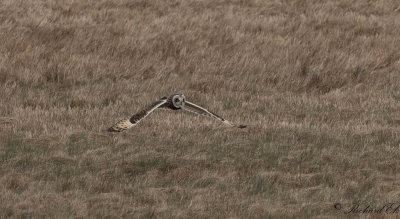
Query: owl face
{"x": 178, "y": 101}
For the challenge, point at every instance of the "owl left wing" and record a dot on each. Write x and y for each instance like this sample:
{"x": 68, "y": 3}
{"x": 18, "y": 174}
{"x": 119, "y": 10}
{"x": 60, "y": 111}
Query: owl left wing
{"x": 193, "y": 108}
{"x": 125, "y": 124}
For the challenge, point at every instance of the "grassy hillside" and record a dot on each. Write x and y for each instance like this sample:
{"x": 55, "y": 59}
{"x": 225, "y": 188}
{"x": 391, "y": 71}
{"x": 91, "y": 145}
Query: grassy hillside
{"x": 317, "y": 83}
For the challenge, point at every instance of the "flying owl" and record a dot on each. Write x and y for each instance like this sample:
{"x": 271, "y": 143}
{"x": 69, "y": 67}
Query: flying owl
{"x": 173, "y": 102}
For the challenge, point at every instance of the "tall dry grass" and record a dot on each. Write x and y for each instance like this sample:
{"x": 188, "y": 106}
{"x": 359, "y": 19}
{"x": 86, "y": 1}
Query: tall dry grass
{"x": 316, "y": 81}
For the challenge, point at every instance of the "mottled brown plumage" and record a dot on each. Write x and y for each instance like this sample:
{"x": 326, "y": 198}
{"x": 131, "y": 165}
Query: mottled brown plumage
{"x": 173, "y": 102}
{"x": 129, "y": 123}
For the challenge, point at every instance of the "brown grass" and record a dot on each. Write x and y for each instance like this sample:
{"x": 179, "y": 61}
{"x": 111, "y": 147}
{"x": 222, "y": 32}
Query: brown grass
{"x": 316, "y": 81}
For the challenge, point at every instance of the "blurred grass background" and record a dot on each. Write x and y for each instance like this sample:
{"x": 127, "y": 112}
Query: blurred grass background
{"x": 317, "y": 83}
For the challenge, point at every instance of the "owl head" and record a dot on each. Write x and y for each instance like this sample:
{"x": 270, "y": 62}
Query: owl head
{"x": 178, "y": 100}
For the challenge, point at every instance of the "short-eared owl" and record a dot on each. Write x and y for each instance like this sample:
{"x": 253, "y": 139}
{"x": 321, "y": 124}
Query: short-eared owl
{"x": 173, "y": 102}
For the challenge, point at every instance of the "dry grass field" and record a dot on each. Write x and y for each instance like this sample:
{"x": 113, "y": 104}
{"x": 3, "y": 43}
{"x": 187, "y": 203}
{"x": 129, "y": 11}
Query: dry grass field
{"x": 317, "y": 82}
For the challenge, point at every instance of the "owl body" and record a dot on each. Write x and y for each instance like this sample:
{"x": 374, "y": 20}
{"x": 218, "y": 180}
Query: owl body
{"x": 173, "y": 102}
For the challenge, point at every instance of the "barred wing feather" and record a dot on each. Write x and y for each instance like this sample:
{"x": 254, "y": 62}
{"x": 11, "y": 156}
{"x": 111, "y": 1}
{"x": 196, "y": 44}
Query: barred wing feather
{"x": 125, "y": 124}
{"x": 196, "y": 109}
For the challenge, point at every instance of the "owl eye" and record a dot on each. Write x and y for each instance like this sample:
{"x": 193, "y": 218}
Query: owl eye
{"x": 176, "y": 100}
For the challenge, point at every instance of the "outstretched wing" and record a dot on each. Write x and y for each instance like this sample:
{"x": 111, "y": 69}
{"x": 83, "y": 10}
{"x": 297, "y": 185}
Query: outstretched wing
{"x": 193, "y": 108}
{"x": 135, "y": 119}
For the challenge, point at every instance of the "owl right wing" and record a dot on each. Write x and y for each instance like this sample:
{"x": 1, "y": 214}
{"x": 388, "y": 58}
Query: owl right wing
{"x": 196, "y": 109}
{"x": 125, "y": 124}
